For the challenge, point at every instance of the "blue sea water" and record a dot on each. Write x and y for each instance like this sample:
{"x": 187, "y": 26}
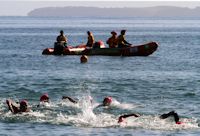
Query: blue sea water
{"x": 167, "y": 80}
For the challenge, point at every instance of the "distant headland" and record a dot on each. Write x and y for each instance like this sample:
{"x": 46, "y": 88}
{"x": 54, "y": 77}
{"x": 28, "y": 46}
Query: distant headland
{"x": 158, "y": 11}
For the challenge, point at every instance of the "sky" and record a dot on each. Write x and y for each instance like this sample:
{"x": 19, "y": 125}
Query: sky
{"x": 21, "y": 8}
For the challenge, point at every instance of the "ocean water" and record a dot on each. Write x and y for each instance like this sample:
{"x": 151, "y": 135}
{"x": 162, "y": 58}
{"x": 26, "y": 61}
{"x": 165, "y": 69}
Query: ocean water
{"x": 167, "y": 80}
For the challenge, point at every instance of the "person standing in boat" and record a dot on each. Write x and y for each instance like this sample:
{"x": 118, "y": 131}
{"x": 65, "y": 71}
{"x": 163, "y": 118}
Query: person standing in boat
{"x": 60, "y": 44}
{"x": 112, "y": 41}
{"x": 91, "y": 39}
{"x": 62, "y": 38}
{"x": 121, "y": 40}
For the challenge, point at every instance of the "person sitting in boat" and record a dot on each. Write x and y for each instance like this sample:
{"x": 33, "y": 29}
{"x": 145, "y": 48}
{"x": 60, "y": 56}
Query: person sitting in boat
{"x": 112, "y": 41}
{"x": 91, "y": 39}
{"x": 61, "y": 43}
{"x": 121, "y": 40}
{"x": 163, "y": 116}
{"x": 17, "y": 108}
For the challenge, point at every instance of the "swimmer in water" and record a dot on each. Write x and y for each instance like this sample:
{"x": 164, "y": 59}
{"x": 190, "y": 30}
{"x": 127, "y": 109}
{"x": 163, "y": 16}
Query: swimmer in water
{"x": 44, "y": 99}
{"x": 106, "y": 102}
{"x": 163, "y": 116}
{"x": 17, "y": 108}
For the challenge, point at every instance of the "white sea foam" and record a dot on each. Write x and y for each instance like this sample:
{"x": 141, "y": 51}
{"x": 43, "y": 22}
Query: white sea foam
{"x": 117, "y": 104}
{"x": 54, "y": 113}
{"x": 155, "y": 123}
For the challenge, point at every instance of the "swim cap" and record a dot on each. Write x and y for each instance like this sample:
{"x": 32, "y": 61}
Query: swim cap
{"x": 44, "y": 98}
{"x": 113, "y": 33}
{"x": 179, "y": 122}
{"x": 107, "y": 101}
{"x": 84, "y": 59}
{"x": 23, "y": 103}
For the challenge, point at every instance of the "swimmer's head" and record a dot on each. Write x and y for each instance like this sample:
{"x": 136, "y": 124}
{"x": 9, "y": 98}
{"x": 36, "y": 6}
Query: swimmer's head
{"x": 23, "y": 105}
{"x": 84, "y": 59}
{"x": 107, "y": 101}
{"x": 179, "y": 122}
{"x": 44, "y": 98}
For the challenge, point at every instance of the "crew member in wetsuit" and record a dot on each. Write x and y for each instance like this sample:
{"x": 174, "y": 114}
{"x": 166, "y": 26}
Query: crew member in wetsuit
{"x": 18, "y": 108}
{"x": 112, "y": 41}
{"x": 121, "y": 40}
{"x": 60, "y": 44}
{"x": 163, "y": 116}
{"x": 91, "y": 39}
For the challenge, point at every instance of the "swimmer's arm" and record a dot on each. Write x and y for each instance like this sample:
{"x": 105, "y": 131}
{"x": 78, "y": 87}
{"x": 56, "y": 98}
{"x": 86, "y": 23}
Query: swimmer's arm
{"x": 11, "y": 107}
{"x": 8, "y": 102}
{"x": 172, "y": 113}
{"x": 121, "y": 118}
{"x": 70, "y": 99}
{"x": 130, "y": 115}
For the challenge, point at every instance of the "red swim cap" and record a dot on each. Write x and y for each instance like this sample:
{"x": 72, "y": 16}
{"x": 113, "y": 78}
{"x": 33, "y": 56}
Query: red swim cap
{"x": 179, "y": 122}
{"x": 44, "y": 97}
{"x": 23, "y": 103}
{"x": 107, "y": 101}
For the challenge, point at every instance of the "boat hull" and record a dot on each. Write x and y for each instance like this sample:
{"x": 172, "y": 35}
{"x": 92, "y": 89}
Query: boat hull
{"x": 139, "y": 50}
